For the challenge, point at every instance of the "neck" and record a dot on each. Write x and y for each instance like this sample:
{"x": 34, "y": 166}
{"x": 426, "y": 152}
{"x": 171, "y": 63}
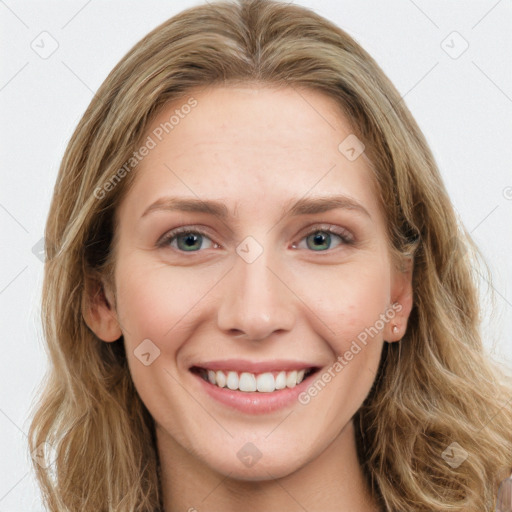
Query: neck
{"x": 331, "y": 481}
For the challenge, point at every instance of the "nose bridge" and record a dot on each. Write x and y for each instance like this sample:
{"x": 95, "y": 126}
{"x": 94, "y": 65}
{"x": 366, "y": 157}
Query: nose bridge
{"x": 254, "y": 301}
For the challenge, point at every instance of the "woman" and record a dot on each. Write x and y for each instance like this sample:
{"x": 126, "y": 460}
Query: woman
{"x": 257, "y": 293}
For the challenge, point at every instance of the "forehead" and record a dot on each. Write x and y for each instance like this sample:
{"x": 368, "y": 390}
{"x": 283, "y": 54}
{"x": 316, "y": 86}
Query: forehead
{"x": 252, "y": 142}
{"x": 253, "y": 115}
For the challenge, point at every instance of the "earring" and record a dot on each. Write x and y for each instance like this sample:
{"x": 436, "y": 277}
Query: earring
{"x": 395, "y": 329}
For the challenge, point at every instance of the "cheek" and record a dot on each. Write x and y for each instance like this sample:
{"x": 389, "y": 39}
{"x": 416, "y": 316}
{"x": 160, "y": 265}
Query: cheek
{"x": 346, "y": 310}
{"x": 162, "y": 304}
{"x": 346, "y": 301}
{"x": 157, "y": 301}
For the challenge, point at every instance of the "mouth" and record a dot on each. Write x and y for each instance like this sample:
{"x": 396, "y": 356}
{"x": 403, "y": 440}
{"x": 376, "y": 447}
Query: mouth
{"x": 247, "y": 382}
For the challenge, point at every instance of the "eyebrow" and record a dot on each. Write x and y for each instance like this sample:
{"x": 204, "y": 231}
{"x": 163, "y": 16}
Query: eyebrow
{"x": 323, "y": 204}
{"x": 304, "y": 206}
{"x": 188, "y": 205}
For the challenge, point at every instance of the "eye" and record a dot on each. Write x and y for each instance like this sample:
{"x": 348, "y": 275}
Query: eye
{"x": 323, "y": 239}
{"x": 187, "y": 240}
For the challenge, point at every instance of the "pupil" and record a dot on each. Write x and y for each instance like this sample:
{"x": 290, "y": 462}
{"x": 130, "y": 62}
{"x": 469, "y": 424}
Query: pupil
{"x": 320, "y": 240}
{"x": 189, "y": 242}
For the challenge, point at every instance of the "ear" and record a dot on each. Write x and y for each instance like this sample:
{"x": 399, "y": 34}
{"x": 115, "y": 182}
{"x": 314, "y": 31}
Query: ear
{"x": 401, "y": 301}
{"x": 98, "y": 310}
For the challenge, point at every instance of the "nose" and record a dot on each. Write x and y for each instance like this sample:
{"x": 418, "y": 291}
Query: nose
{"x": 255, "y": 301}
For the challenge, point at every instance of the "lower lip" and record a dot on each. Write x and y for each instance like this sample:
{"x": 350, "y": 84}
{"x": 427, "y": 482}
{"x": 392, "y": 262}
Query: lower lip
{"x": 255, "y": 402}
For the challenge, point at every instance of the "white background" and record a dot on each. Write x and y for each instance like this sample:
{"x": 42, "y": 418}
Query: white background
{"x": 463, "y": 105}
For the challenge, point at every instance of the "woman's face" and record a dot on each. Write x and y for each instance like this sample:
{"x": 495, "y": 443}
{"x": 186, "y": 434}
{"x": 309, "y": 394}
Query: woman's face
{"x": 280, "y": 264}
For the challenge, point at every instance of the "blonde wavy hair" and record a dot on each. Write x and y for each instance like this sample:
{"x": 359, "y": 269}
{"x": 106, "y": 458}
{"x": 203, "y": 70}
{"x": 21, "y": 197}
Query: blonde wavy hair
{"x": 434, "y": 388}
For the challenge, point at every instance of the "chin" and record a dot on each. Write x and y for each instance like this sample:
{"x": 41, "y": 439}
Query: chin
{"x": 260, "y": 471}
{"x": 250, "y": 464}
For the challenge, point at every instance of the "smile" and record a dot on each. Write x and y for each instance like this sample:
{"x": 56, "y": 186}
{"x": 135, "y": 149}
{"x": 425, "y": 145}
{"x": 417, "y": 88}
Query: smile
{"x": 247, "y": 382}
{"x": 253, "y": 387}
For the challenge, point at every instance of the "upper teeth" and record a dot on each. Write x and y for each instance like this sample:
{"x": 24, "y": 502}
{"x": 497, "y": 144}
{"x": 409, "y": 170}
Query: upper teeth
{"x": 264, "y": 382}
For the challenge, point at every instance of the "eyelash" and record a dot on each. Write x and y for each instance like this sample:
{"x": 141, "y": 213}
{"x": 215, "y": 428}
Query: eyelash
{"x": 166, "y": 239}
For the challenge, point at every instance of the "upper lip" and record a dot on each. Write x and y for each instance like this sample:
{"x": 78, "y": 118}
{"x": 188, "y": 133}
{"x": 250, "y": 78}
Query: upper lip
{"x": 243, "y": 365}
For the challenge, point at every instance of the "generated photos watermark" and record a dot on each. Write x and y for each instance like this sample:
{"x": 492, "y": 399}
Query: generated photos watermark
{"x": 151, "y": 142}
{"x": 344, "y": 359}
